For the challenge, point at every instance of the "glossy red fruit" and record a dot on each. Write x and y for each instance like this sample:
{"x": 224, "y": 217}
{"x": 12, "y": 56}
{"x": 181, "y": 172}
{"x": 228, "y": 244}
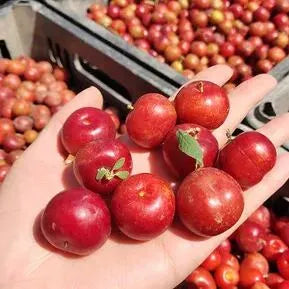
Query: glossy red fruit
{"x": 12, "y": 81}
{"x": 203, "y": 103}
{"x": 60, "y": 74}
{"x": 254, "y": 151}
{"x": 227, "y": 49}
{"x": 273, "y": 279}
{"x": 212, "y": 261}
{"x": 205, "y": 200}
{"x": 256, "y": 261}
{"x": 3, "y": 172}
{"x": 226, "y": 277}
{"x": 283, "y": 264}
{"x": 225, "y": 247}
{"x": 23, "y": 123}
{"x": 250, "y": 276}
{"x": 143, "y": 206}
{"x": 284, "y": 234}
{"x": 178, "y": 161}
{"x": 101, "y": 165}
{"x": 260, "y": 285}
{"x": 13, "y": 142}
{"x": 273, "y": 247}
{"x": 230, "y": 260}
{"x": 250, "y": 237}
{"x": 32, "y": 73}
{"x": 151, "y": 119}
{"x": 90, "y": 123}
{"x": 201, "y": 278}
{"x": 262, "y": 217}
{"x": 76, "y": 221}
{"x": 5, "y": 93}
{"x": 283, "y": 285}
{"x": 279, "y": 223}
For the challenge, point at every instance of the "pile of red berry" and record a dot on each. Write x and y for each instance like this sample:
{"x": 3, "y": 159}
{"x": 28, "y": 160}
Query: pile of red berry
{"x": 256, "y": 256}
{"x": 30, "y": 92}
{"x": 209, "y": 200}
{"x": 249, "y": 35}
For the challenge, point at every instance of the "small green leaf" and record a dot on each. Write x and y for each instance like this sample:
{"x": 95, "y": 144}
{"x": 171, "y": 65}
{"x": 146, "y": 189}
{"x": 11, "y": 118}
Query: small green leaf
{"x": 190, "y": 146}
{"x": 122, "y": 174}
{"x": 119, "y": 163}
{"x": 101, "y": 173}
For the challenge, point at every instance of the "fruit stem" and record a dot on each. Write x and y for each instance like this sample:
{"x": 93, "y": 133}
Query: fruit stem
{"x": 130, "y": 107}
{"x": 200, "y": 86}
{"x": 229, "y": 136}
{"x": 69, "y": 159}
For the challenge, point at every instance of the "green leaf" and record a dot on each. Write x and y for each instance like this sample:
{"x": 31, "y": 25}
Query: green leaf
{"x": 119, "y": 163}
{"x": 122, "y": 174}
{"x": 101, "y": 173}
{"x": 190, "y": 146}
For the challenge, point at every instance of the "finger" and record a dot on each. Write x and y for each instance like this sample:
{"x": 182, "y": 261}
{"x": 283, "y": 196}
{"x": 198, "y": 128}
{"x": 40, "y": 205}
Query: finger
{"x": 218, "y": 74}
{"x": 242, "y": 99}
{"x": 276, "y": 130}
{"x": 254, "y": 197}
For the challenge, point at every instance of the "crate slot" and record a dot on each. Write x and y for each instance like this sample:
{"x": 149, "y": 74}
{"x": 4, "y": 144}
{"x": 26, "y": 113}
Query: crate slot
{"x": 4, "y": 49}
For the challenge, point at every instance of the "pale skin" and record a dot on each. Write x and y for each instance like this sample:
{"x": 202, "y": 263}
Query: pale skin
{"x": 121, "y": 263}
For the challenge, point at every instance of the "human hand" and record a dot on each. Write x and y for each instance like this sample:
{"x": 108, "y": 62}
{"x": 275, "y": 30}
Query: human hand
{"x": 162, "y": 263}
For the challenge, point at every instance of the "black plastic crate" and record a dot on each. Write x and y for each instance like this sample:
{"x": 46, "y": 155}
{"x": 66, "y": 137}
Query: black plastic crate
{"x": 276, "y": 102}
{"x": 34, "y": 29}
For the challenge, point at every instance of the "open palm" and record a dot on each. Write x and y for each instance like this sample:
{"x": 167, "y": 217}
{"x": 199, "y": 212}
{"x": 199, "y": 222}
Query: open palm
{"x": 26, "y": 261}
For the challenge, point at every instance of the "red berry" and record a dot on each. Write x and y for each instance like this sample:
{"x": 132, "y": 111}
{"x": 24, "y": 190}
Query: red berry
{"x": 143, "y": 206}
{"x": 91, "y": 123}
{"x": 230, "y": 260}
{"x": 273, "y": 247}
{"x": 179, "y": 162}
{"x": 205, "y": 200}
{"x": 283, "y": 264}
{"x": 13, "y": 142}
{"x": 32, "y": 73}
{"x": 256, "y": 261}
{"x": 201, "y": 278}
{"x": 151, "y": 119}
{"x": 283, "y": 285}
{"x": 76, "y": 221}
{"x": 227, "y": 49}
{"x": 250, "y": 237}
{"x": 101, "y": 165}
{"x": 212, "y": 261}
{"x": 273, "y": 279}
{"x": 249, "y": 276}
{"x": 226, "y": 277}
{"x": 203, "y": 103}
{"x": 262, "y": 217}
{"x": 254, "y": 151}
{"x": 224, "y": 247}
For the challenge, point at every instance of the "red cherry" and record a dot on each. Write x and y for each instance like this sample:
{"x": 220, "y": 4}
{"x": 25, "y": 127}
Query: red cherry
{"x": 203, "y": 103}
{"x": 199, "y": 48}
{"x": 273, "y": 279}
{"x": 13, "y": 142}
{"x": 143, "y": 206}
{"x": 184, "y": 46}
{"x": 93, "y": 124}
{"x": 12, "y": 81}
{"x": 246, "y": 48}
{"x": 254, "y": 151}
{"x": 250, "y": 237}
{"x": 262, "y": 51}
{"x": 216, "y": 193}
{"x": 60, "y": 74}
{"x": 199, "y": 18}
{"x": 247, "y": 16}
{"x": 281, "y": 20}
{"x": 96, "y": 165}
{"x": 264, "y": 65}
{"x": 212, "y": 261}
{"x": 179, "y": 162}
{"x": 262, "y": 14}
{"x": 16, "y": 67}
{"x": 269, "y": 4}
{"x": 76, "y": 221}
{"x": 159, "y": 115}
{"x": 201, "y": 278}
{"x": 235, "y": 38}
{"x": 276, "y": 54}
{"x": 283, "y": 264}
{"x": 45, "y": 67}
{"x": 224, "y": 247}
{"x": 283, "y": 285}
{"x": 237, "y": 10}
{"x": 118, "y": 26}
{"x": 227, "y": 49}
{"x": 113, "y": 11}
{"x": 191, "y": 61}
{"x": 5, "y": 93}
{"x": 249, "y": 276}
{"x": 273, "y": 247}
{"x": 262, "y": 217}
{"x": 32, "y": 73}
{"x": 226, "y": 277}
{"x": 256, "y": 261}
{"x": 172, "y": 53}
{"x": 230, "y": 260}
